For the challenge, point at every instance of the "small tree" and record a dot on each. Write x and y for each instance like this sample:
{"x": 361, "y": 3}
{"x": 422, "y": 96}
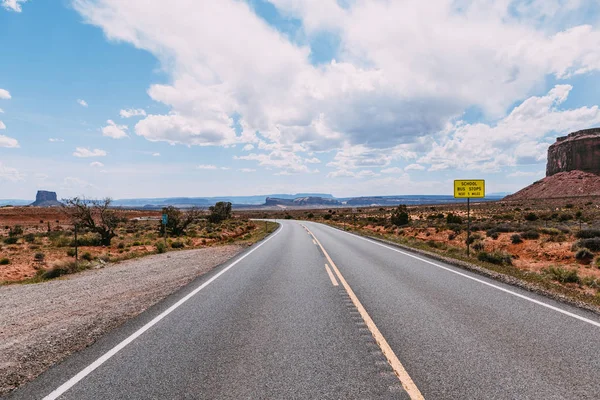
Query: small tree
{"x": 178, "y": 221}
{"x": 400, "y": 216}
{"x": 220, "y": 212}
{"x": 94, "y": 215}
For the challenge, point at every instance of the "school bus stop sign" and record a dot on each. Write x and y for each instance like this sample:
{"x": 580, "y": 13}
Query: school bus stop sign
{"x": 469, "y": 189}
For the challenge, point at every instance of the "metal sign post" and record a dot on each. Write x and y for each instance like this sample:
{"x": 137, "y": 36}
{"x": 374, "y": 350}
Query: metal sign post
{"x": 468, "y": 189}
{"x": 165, "y": 219}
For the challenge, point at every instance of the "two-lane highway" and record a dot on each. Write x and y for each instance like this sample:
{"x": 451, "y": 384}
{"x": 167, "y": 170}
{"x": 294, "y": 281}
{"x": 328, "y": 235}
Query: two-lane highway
{"x": 317, "y": 313}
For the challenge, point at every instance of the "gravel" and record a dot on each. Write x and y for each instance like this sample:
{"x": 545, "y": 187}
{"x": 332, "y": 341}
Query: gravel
{"x": 41, "y": 324}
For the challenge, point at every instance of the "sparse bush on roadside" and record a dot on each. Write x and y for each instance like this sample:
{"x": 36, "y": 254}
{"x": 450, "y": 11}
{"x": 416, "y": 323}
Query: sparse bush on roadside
{"x": 478, "y": 246}
{"x": 565, "y": 217}
{"x": 39, "y": 257}
{"x": 16, "y": 230}
{"x": 531, "y": 217}
{"x": 11, "y": 240}
{"x": 29, "y": 238}
{"x": 4, "y": 261}
{"x": 587, "y": 233}
{"x": 592, "y": 244}
{"x": 121, "y": 245}
{"x": 71, "y": 252}
{"x": 597, "y": 262}
{"x": 177, "y": 245}
{"x": 496, "y": 257}
{"x": 530, "y": 235}
{"x": 452, "y": 236}
{"x": 584, "y": 255}
{"x": 220, "y": 212}
{"x": 87, "y": 256}
{"x": 474, "y": 237}
{"x": 400, "y": 216}
{"x": 453, "y": 219}
{"x": 516, "y": 239}
{"x": 327, "y": 217}
{"x": 310, "y": 215}
{"x": 550, "y": 231}
{"x": 160, "y": 247}
{"x": 563, "y": 275}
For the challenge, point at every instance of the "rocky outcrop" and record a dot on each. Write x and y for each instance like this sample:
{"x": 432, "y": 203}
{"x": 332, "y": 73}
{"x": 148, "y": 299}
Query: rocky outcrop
{"x": 561, "y": 185}
{"x": 44, "y": 198}
{"x": 579, "y": 151}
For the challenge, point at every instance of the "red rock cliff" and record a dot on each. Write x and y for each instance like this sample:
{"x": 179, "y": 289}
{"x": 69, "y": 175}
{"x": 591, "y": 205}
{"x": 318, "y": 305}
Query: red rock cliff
{"x": 577, "y": 151}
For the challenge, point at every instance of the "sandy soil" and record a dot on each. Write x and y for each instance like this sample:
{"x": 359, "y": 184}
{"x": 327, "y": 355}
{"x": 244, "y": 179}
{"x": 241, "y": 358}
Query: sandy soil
{"x": 41, "y": 324}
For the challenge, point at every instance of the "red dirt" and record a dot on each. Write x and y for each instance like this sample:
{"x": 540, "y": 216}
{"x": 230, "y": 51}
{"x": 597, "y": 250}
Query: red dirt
{"x": 561, "y": 185}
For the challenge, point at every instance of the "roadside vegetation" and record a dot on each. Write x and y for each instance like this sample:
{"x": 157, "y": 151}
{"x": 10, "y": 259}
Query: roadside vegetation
{"x": 554, "y": 244}
{"x": 39, "y": 244}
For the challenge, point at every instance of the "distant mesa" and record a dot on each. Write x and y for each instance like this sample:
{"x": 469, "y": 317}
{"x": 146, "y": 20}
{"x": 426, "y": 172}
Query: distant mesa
{"x": 302, "y": 201}
{"x": 44, "y": 198}
{"x": 573, "y": 169}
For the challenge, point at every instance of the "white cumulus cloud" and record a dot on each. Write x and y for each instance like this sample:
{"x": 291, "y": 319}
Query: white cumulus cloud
{"x": 206, "y": 167}
{"x": 96, "y": 164}
{"x": 82, "y": 103}
{"x": 132, "y": 112}
{"x": 9, "y": 142}
{"x": 115, "y": 131}
{"x": 4, "y": 94}
{"x": 83, "y": 152}
{"x": 13, "y": 5}
{"x": 56, "y": 140}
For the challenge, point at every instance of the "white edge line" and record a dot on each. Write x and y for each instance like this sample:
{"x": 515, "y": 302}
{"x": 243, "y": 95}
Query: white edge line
{"x": 106, "y": 356}
{"x": 541, "y": 303}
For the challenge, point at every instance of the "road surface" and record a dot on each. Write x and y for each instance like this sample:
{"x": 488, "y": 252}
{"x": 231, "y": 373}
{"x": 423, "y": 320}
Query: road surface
{"x": 317, "y": 313}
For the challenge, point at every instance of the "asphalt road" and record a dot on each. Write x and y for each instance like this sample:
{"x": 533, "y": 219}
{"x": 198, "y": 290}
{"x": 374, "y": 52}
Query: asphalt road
{"x": 272, "y": 325}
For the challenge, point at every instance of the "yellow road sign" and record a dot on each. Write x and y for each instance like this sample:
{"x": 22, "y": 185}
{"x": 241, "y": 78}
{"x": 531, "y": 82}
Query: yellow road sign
{"x": 469, "y": 188}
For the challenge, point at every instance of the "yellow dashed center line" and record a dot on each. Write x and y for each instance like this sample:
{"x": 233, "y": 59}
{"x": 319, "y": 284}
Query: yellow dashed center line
{"x": 333, "y": 280}
{"x": 405, "y": 379}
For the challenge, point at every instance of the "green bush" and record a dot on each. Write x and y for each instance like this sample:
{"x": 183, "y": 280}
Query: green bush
{"x": 497, "y": 257}
{"x": 29, "y": 238}
{"x": 550, "y": 231}
{"x": 400, "y": 216}
{"x": 310, "y": 216}
{"x": 327, "y": 217}
{"x": 587, "y": 233}
{"x": 160, "y": 247}
{"x": 71, "y": 252}
{"x": 474, "y": 237}
{"x": 121, "y": 245}
{"x": 16, "y": 230}
{"x": 478, "y": 246}
{"x": 288, "y": 216}
{"x": 516, "y": 239}
{"x": 563, "y": 275}
{"x": 87, "y": 256}
{"x": 177, "y": 244}
{"x": 565, "y": 217}
{"x": 597, "y": 262}
{"x": 4, "y": 261}
{"x": 530, "y": 235}
{"x": 531, "y": 216}
{"x": 11, "y": 240}
{"x": 39, "y": 257}
{"x": 592, "y": 244}
{"x": 584, "y": 255}
{"x": 453, "y": 219}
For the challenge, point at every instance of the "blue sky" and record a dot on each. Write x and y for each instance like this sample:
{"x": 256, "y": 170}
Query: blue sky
{"x": 195, "y": 98}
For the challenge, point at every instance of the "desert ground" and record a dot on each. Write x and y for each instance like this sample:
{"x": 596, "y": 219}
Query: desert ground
{"x": 36, "y": 240}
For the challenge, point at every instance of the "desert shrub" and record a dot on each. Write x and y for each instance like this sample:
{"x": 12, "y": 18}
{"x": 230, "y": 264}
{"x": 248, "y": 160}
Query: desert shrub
{"x": 310, "y": 216}
{"x": 121, "y": 245}
{"x": 587, "y": 233}
{"x": 563, "y": 275}
{"x": 220, "y": 212}
{"x": 531, "y": 216}
{"x": 497, "y": 257}
{"x": 327, "y": 217}
{"x": 71, "y": 252}
{"x": 4, "y": 261}
{"x": 288, "y": 216}
{"x": 63, "y": 268}
{"x": 569, "y": 205}
{"x": 516, "y": 239}
{"x": 85, "y": 240}
{"x": 39, "y": 257}
{"x": 550, "y": 231}
{"x": 597, "y": 262}
{"x": 177, "y": 245}
{"x": 474, "y": 237}
{"x": 478, "y": 246}
{"x": 29, "y": 238}
{"x": 565, "y": 217}
{"x": 16, "y": 230}
{"x": 560, "y": 238}
{"x": 161, "y": 247}
{"x": 592, "y": 244}
{"x": 400, "y": 216}
{"x": 584, "y": 255}
{"x": 11, "y": 240}
{"x": 494, "y": 235}
{"x": 530, "y": 235}
{"x": 453, "y": 219}
{"x": 87, "y": 256}
{"x": 452, "y": 236}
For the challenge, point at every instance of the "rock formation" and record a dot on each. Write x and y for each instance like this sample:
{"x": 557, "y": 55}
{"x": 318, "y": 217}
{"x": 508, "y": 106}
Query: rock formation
{"x": 579, "y": 151}
{"x": 44, "y": 198}
{"x": 573, "y": 169}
